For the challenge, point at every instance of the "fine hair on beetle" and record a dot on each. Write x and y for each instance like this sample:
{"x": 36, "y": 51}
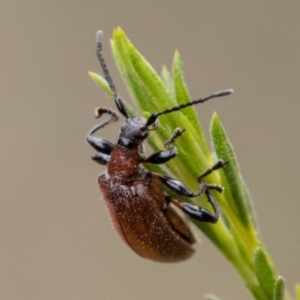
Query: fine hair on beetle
{"x": 142, "y": 212}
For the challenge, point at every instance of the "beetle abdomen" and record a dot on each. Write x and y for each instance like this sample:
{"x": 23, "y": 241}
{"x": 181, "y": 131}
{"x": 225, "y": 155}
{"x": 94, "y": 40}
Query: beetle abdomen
{"x": 152, "y": 232}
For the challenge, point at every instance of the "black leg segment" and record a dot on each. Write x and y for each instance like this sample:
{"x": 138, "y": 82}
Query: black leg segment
{"x": 195, "y": 212}
{"x": 164, "y": 156}
{"x": 101, "y": 158}
{"x": 199, "y": 213}
{"x": 101, "y": 145}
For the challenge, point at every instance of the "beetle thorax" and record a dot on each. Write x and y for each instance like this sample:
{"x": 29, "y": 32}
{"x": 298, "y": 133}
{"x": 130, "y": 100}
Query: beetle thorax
{"x": 124, "y": 161}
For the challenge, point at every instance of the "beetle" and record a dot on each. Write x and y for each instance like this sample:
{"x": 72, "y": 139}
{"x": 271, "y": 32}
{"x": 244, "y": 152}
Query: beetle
{"x": 140, "y": 209}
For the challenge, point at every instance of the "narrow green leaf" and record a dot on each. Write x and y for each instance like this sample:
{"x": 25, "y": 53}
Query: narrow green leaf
{"x": 265, "y": 272}
{"x": 221, "y": 236}
{"x": 183, "y": 96}
{"x": 102, "y": 83}
{"x": 138, "y": 90}
{"x": 143, "y": 82}
{"x": 279, "y": 289}
{"x": 119, "y": 46}
{"x": 160, "y": 96}
{"x": 168, "y": 81}
{"x": 224, "y": 150}
{"x": 242, "y": 245}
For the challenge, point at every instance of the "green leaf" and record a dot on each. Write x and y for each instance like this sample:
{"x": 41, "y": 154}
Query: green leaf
{"x": 168, "y": 81}
{"x": 265, "y": 272}
{"x": 241, "y": 200}
{"x": 102, "y": 83}
{"x": 279, "y": 289}
{"x": 160, "y": 96}
{"x": 143, "y": 83}
{"x": 120, "y": 50}
{"x": 183, "y": 96}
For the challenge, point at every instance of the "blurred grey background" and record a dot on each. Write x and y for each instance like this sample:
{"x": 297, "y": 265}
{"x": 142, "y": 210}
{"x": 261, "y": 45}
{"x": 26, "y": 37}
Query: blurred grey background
{"x": 56, "y": 240}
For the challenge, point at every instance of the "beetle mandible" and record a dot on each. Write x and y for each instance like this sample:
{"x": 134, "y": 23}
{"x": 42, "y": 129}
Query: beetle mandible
{"x": 140, "y": 210}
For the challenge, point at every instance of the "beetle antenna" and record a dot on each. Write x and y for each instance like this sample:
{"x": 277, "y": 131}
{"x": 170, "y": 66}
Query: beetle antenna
{"x": 154, "y": 116}
{"x": 119, "y": 103}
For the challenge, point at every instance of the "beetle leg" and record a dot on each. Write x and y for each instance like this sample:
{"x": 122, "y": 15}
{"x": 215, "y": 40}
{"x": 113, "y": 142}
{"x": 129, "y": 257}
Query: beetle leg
{"x": 199, "y": 213}
{"x": 179, "y": 188}
{"x": 177, "y": 133}
{"x": 218, "y": 165}
{"x": 101, "y": 145}
{"x": 164, "y": 156}
{"x": 101, "y": 158}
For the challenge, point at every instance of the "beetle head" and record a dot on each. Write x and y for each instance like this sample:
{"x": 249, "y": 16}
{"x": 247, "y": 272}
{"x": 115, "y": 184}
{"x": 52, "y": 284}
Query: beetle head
{"x": 134, "y": 131}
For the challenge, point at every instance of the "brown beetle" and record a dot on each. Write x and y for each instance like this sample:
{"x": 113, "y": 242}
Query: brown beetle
{"x": 139, "y": 208}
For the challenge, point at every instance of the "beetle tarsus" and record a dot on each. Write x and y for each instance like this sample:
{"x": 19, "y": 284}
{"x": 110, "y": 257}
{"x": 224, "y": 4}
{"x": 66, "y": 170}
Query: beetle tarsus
{"x": 218, "y": 165}
{"x": 99, "y": 111}
{"x": 177, "y": 133}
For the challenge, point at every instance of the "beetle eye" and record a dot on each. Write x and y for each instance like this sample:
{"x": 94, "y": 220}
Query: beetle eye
{"x": 140, "y": 133}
